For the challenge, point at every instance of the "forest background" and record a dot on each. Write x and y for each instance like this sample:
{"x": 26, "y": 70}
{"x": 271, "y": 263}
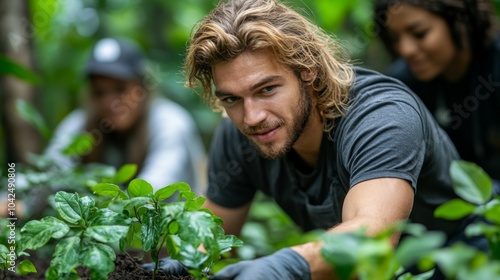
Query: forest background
{"x": 52, "y": 39}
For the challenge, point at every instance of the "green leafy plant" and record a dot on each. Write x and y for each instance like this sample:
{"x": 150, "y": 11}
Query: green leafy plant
{"x": 474, "y": 187}
{"x": 373, "y": 257}
{"x": 191, "y": 234}
{"x": 9, "y": 253}
{"x": 85, "y": 233}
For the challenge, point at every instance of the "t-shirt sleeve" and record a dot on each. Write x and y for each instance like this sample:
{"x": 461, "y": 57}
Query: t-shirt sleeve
{"x": 229, "y": 183}
{"x": 382, "y": 138}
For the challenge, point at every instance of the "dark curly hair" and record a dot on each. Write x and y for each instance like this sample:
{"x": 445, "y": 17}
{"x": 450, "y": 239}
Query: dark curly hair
{"x": 471, "y": 22}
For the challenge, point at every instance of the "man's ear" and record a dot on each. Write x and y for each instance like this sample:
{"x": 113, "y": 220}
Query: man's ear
{"x": 308, "y": 76}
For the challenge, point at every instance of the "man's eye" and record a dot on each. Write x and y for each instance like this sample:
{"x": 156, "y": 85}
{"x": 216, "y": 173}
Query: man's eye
{"x": 268, "y": 89}
{"x": 229, "y": 100}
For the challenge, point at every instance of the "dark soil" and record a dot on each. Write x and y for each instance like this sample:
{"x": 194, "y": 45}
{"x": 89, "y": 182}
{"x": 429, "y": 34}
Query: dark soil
{"x": 126, "y": 268}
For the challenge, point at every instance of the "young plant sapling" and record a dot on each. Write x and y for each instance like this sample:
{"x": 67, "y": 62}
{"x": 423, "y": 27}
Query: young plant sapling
{"x": 191, "y": 234}
{"x": 84, "y": 232}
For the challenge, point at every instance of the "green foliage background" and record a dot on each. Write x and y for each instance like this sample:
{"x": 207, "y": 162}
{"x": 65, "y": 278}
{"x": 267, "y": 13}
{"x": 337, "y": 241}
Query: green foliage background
{"x": 63, "y": 32}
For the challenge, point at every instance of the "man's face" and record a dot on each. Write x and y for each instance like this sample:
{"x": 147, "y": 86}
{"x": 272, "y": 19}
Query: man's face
{"x": 265, "y": 100}
{"x": 121, "y": 102}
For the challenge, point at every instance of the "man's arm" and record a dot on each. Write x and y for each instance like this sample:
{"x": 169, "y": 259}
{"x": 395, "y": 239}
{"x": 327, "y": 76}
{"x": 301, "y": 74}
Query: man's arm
{"x": 376, "y": 204}
{"x": 233, "y": 218}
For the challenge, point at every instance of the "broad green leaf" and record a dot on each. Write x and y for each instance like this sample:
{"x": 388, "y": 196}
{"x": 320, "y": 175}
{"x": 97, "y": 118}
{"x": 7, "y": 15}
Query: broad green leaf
{"x": 10, "y": 67}
{"x": 109, "y": 189}
{"x": 136, "y": 202}
{"x": 195, "y": 226}
{"x": 70, "y": 207}
{"x": 139, "y": 187}
{"x": 34, "y": 234}
{"x": 99, "y": 258}
{"x": 412, "y": 248}
{"x": 454, "y": 209}
{"x": 125, "y": 173}
{"x": 107, "y": 226}
{"x": 150, "y": 230}
{"x": 169, "y": 190}
{"x": 173, "y": 227}
{"x": 227, "y": 242}
{"x": 53, "y": 274}
{"x": 66, "y": 254}
{"x": 493, "y": 214}
{"x": 32, "y": 116}
{"x": 172, "y": 243}
{"x": 172, "y": 210}
{"x": 454, "y": 259}
{"x": 26, "y": 267}
{"x": 190, "y": 256}
{"x": 195, "y": 204}
{"x": 481, "y": 228}
{"x": 471, "y": 182}
{"x": 3, "y": 250}
{"x": 340, "y": 251}
{"x": 80, "y": 145}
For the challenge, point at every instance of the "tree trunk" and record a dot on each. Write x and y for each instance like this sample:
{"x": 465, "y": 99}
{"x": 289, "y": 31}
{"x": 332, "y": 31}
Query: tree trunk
{"x": 16, "y": 38}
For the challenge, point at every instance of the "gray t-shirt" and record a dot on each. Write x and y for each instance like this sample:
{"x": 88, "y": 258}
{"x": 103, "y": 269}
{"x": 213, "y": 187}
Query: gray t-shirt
{"x": 386, "y": 132}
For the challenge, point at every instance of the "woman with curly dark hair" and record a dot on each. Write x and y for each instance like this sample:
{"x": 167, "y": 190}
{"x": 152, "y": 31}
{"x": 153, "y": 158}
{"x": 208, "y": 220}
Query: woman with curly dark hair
{"x": 449, "y": 54}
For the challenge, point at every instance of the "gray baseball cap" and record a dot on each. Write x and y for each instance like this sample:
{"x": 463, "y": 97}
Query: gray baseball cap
{"x": 116, "y": 58}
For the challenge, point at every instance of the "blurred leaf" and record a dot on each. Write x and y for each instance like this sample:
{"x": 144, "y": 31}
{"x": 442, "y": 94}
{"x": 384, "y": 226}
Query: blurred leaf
{"x": 26, "y": 267}
{"x": 125, "y": 173}
{"x": 471, "y": 182}
{"x": 9, "y": 67}
{"x": 454, "y": 209}
{"x": 412, "y": 248}
{"x": 32, "y": 116}
{"x": 81, "y": 145}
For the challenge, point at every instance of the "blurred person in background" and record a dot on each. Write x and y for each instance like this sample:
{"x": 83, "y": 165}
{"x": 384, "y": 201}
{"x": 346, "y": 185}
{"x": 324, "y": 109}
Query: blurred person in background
{"x": 130, "y": 123}
{"x": 448, "y": 52}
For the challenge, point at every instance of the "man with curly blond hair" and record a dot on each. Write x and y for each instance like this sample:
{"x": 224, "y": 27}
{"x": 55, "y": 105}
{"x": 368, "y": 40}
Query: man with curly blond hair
{"x": 337, "y": 146}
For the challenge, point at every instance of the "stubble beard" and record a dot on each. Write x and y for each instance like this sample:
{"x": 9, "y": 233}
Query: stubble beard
{"x": 300, "y": 120}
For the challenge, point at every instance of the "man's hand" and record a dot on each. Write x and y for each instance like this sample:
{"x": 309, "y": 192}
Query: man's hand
{"x": 168, "y": 265}
{"x": 286, "y": 264}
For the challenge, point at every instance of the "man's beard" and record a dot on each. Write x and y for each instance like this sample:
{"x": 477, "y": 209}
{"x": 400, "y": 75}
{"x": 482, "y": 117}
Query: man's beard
{"x": 300, "y": 120}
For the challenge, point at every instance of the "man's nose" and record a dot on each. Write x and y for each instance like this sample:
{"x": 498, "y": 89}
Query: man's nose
{"x": 254, "y": 113}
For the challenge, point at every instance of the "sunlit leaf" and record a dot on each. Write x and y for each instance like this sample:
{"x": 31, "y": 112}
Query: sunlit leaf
{"x": 80, "y": 145}
{"x": 26, "y": 267}
{"x": 107, "y": 226}
{"x": 35, "y": 234}
{"x": 471, "y": 182}
{"x": 66, "y": 254}
{"x": 99, "y": 258}
{"x": 454, "y": 209}
{"x": 125, "y": 173}
{"x": 70, "y": 207}
{"x": 109, "y": 189}
{"x": 139, "y": 187}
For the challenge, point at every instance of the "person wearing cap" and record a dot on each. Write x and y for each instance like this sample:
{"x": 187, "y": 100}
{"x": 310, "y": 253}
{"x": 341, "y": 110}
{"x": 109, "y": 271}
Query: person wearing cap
{"x": 129, "y": 124}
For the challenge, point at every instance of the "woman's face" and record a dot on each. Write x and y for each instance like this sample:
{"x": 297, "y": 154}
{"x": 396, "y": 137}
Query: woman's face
{"x": 120, "y": 103}
{"x": 424, "y": 41}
